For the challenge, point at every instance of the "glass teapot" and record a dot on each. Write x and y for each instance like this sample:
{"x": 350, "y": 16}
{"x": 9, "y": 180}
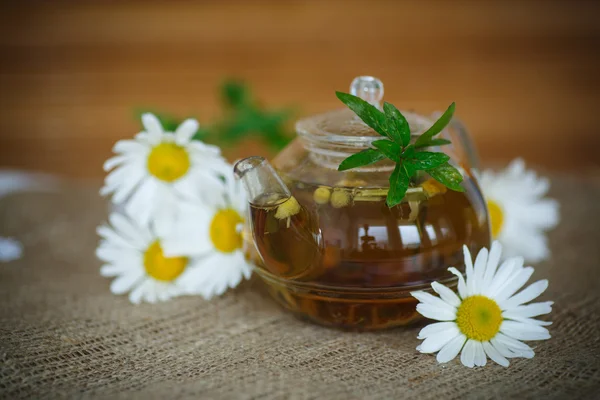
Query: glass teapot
{"x": 332, "y": 251}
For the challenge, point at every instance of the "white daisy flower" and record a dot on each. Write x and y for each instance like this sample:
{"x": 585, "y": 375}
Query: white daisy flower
{"x": 212, "y": 231}
{"x": 488, "y": 318}
{"x": 158, "y": 169}
{"x": 134, "y": 255}
{"x": 518, "y": 212}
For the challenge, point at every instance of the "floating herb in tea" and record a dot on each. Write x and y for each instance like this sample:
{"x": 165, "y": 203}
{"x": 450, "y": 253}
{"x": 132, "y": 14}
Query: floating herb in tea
{"x": 409, "y": 157}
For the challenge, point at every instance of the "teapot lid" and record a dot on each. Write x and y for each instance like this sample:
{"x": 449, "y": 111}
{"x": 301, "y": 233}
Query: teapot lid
{"x": 344, "y": 128}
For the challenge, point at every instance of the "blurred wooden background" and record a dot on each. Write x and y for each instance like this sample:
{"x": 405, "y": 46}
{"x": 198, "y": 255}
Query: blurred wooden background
{"x": 524, "y": 74}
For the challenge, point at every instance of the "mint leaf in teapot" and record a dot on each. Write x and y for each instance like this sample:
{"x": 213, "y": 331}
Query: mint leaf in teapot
{"x": 390, "y": 149}
{"x": 409, "y": 158}
{"x": 362, "y": 158}
{"x": 428, "y": 160}
{"x": 433, "y": 142}
{"x": 399, "y": 181}
{"x": 398, "y": 129}
{"x": 437, "y": 126}
{"x": 365, "y": 111}
{"x": 448, "y": 176}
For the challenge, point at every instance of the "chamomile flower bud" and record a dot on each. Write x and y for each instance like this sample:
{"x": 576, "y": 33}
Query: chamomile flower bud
{"x": 322, "y": 195}
{"x": 288, "y": 208}
{"x": 340, "y": 198}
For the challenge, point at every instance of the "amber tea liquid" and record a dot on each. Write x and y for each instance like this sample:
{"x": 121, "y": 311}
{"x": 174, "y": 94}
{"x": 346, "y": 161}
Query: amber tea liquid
{"x": 343, "y": 258}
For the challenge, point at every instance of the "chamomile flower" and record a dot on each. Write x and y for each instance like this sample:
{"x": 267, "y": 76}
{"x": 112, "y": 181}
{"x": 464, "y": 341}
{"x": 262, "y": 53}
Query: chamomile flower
{"x": 488, "y": 318}
{"x": 518, "y": 212}
{"x": 155, "y": 171}
{"x": 134, "y": 255}
{"x": 212, "y": 232}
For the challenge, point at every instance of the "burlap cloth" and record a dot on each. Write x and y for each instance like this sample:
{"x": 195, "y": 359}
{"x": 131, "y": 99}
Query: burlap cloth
{"x": 63, "y": 334}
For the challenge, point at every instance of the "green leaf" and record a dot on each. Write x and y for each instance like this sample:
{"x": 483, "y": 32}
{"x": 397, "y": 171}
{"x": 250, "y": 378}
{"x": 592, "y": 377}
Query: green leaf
{"x": 365, "y": 111}
{"x": 448, "y": 176}
{"x": 409, "y": 152}
{"x": 234, "y": 93}
{"x": 429, "y": 160}
{"x": 398, "y": 186}
{"x": 362, "y": 158}
{"x": 433, "y": 142}
{"x": 389, "y": 148}
{"x": 397, "y": 126}
{"x": 437, "y": 126}
{"x": 202, "y": 134}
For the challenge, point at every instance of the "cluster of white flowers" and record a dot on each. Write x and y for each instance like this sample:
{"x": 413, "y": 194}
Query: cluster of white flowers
{"x": 179, "y": 231}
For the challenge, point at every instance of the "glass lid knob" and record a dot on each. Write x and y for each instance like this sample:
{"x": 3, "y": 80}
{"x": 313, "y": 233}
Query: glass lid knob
{"x": 368, "y": 88}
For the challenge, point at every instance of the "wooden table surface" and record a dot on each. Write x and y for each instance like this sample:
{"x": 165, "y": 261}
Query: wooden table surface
{"x": 524, "y": 74}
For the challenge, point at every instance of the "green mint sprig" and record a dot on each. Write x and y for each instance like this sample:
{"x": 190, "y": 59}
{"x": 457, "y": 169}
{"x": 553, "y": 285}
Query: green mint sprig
{"x": 242, "y": 117}
{"x": 396, "y": 146}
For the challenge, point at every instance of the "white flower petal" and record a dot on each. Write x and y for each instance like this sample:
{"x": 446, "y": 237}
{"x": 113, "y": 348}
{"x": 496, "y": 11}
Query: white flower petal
{"x": 130, "y": 147}
{"x": 438, "y": 340}
{"x": 112, "y": 236}
{"x": 526, "y": 295}
{"x": 433, "y": 312}
{"x": 446, "y": 294}
{"x": 451, "y": 349}
{"x": 114, "y": 179}
{"x": 201, "y": 150}
{"x": 143, "y": 202}
{"x": 467, "y": 357}
{"x": 462, "y": 286}
{"x": 469, "y": 271}
{"x": 479, "y": 271}
{"x": 135, "y": 296}
{"x": 152, "y": 124}
{"x": 212, "y": 275}
{"x": 492, "y": 265}
{"x": 130, "y": 231}
{"x": 427, "y": 298}
{"x": 512, "y": 284}
{"x": 111, "y": 254}
{"x": 125, "y": 282}
{"x": 512, "y": 347}
{"x": 502, "y": 348}
{"x": 524, "y": 331}
{"x": 113, "y": 162}
{"x": 529, "y": 310}
{"x": 150, "y": 292}
{"x": 185, "y": 131}
{"x": 129, "y": 183}
{"x": 110, "y": 270}
{"x": 504, "y": 273}
{"x": 480, "y": 358}
{"x": 494, "y": 354}
{"x": 435, "y": 328}
{"x": 192, "y": 235}
{"x": 531, "y": 321}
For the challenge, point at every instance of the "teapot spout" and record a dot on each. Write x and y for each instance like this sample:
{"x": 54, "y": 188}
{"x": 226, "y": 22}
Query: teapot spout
{"x": 263, "y": 185}
{"x": 286, "y": 234}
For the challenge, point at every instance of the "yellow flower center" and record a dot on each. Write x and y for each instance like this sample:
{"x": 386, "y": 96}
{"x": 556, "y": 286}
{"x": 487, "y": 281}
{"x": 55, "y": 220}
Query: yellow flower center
{"x": 224, "y": 231}
{"x": 160, "y": 267}
{"x": 496, "y": 217}
{"x": 168, "y": 162}
{"x": 479, "y": 318}
{"x": 433, "y": 187}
